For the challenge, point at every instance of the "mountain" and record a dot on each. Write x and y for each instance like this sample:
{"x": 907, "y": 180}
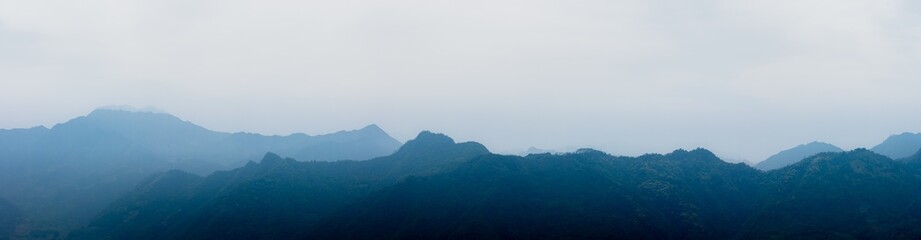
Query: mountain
{"x": 582, "y": 195}
{"x": 10, "y": 217}
{"x": 899, "y": 146}
{"x": 288, "y": 196}
{"x": 173, "y": 140}
{"x": 795, "y": 154}
{"x": 914, "y": 159}
{"x": 688, "y": 195}
{"x": 434, "y": 188}
{"x": 63, "y": 176}
{"x": 850, "y": 195}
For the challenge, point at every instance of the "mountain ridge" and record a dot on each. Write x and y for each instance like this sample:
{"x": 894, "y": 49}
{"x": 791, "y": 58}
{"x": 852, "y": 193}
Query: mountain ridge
{"x": 63, "y": 175}
{"x": 467, "y": 193}
{"x": 305, "y": 190}
{"x": 793, "y": 155}
{"x": 899, "y": 145}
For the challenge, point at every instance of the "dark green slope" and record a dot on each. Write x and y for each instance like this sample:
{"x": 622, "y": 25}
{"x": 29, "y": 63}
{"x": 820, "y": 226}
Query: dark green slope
{"x": 852, "y": 195}
{"x": 433, "y": 188}
{"x": 694, "y": 193}
{"x": 682, "y": 195}
{"x": 492, "y": 197}
{"x": 276, "y": 198}
{"x": 582, "y": 195}
{"x": 10, "y": 218}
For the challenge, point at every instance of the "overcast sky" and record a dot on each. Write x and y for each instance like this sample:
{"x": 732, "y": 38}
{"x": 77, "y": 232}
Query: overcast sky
{"x": 745, "y": 79}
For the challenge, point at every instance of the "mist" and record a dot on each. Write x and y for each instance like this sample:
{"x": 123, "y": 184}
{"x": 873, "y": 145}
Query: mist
{"x": 435, "y": 119}
{"x": 625, "y": 77}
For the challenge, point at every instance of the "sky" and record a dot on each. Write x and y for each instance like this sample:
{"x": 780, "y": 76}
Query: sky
{"x": 744, "y": 79}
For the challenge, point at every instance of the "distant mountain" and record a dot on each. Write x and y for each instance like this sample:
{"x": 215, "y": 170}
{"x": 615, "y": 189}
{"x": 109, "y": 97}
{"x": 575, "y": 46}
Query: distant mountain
{"x": 899, "y": 146}
{"x": 737, "y": 160}
{"x": 174, "y": 140}
{"x": 274, "y": 199}
{"x": 914, "y": 159}
{"x": 795, "y": 154}
{"x": 63, "y": 176}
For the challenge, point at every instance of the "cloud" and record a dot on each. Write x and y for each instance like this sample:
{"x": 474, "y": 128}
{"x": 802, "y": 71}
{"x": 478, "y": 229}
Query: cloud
{"x": 627, "y": 76}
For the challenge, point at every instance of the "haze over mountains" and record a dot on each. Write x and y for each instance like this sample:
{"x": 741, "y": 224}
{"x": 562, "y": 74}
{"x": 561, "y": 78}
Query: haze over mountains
{"x": 62, "y": 176}
{"x": 895, "y": 147}
{"x": 118, "y": 174}
{"x": 795, "y": 154}
{"x": 504, "y": 119}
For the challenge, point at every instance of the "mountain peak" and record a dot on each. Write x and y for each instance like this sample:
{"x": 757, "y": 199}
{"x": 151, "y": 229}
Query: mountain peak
{"x": 818, "y": 143}
{"x": 428, "y": 137}
{"x": 271, "y": 159}
{"x": 372, "y": 127}
{"x": 900, "y": 145}
{"x": 795, "y": 154}
{"x": 137, "y": 125}
{"x": 428, "y": 141}
{"x": 589, "y": 151}
{"x": 113, "y": 113}
{"x": 703, "y": 152}
{"x": 697, "y": 153}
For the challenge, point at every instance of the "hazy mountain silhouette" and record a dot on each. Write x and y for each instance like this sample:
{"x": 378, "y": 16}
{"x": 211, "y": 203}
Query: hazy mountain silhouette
{"x": 899, "y": 146}
{"x": 795, "y": 154}
{"x": 534, "y": 150}
{"x": 175, "y": 140}
{"x": 275, "y": 198}
{"x": 65, "y": 175}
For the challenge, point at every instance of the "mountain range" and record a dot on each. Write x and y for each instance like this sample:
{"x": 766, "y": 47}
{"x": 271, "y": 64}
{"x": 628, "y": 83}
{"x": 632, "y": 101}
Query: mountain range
{"x": 118, "y": 174}
{"x": 287, "y": 196}
{"x": 60, "y": 177}
{"x": 435, "y": 188}
{"x": 895, "y": 147}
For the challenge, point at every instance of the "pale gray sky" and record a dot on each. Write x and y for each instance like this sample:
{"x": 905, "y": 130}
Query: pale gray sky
{"x": 742, "y": 78}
